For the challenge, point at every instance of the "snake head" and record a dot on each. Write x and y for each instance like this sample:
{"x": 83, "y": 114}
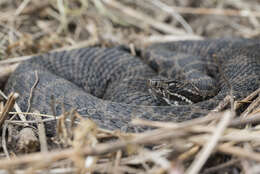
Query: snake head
{"x": 174, "y": 92}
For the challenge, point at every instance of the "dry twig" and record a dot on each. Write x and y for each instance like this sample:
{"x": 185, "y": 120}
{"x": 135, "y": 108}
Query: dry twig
{"x": 8, "y": 106}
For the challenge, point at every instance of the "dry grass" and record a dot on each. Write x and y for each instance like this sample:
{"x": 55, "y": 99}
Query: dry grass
{"x": 217, "y": 143}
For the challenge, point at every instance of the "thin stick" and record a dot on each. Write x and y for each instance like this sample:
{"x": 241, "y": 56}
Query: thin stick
{"x": 144, "y": 18}
{"x": 21, "y": 7}
{"x": 8, "y": 106}
{"x": 4, "y": 141}
{"x": 247, "y": 120}
{"x": 31, "y": 91}
{"x": 173, "y": 13}
{"x": 252, "y": 107}
{"x": 30, "y": 113}
{"x": 172, "y": 125}
{"x": 16, "y": 107}
{"x": 239, "y": 152}
{"x": 203, "y": 155}
{"x": 99, "y": 149}
{"x": 214, "y": 11}
{"x": 42, "y": 135}
{"x": 117, "y": 161}
{"x": 168, "y": 38}
{"x": 248, "y": 98}
{"x": 221, "y": 166}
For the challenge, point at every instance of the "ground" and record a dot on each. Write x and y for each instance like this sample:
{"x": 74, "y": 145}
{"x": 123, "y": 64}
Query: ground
{"x": 32, "y": 27}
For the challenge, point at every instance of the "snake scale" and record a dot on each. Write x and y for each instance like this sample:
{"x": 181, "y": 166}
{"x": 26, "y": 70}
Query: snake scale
{"x": 109, "y": 85}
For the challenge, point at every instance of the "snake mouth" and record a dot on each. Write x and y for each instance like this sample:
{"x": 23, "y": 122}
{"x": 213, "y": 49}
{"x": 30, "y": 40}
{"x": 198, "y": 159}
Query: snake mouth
{"x": 174, "y": 92}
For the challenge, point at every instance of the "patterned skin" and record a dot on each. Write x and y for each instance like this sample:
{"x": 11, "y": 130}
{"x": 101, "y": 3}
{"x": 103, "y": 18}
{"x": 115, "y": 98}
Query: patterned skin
{"x": 109, "y": 85}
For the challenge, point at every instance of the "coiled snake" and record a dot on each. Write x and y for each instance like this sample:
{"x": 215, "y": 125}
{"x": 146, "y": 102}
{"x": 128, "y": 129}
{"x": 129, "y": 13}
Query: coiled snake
{"x": 109, "y": 85}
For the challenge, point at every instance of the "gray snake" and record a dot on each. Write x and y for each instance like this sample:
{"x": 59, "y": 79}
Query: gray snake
{"x": 109, "y": 85}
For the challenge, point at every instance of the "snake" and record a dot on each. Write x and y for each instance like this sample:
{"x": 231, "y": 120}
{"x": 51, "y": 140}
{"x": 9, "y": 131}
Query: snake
{"x": 169, "y": 82}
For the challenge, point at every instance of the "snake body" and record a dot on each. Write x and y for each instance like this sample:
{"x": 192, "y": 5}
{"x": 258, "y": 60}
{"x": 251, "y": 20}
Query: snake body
{"x": 109, "y": 85}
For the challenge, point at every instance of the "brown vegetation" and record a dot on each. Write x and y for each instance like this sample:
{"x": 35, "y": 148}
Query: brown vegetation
{"x": 217, "y": 143}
